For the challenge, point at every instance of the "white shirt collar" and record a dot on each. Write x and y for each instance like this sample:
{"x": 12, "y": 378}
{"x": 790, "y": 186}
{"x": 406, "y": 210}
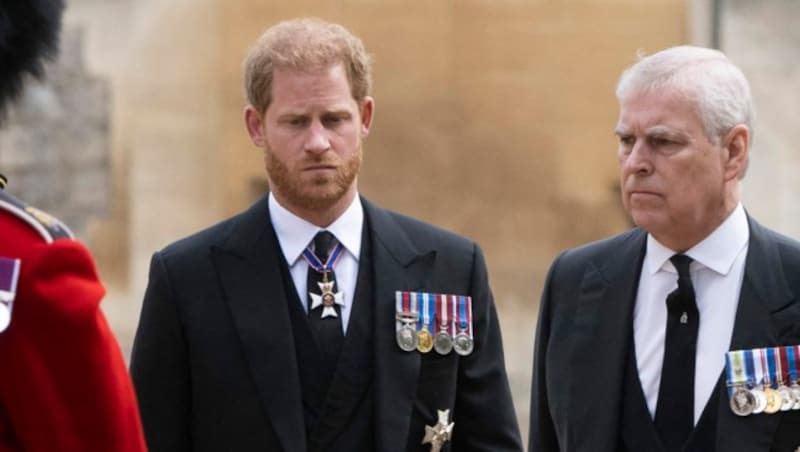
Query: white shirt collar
{"x": 718, "y": 251}
{"x": 294, "y": 233}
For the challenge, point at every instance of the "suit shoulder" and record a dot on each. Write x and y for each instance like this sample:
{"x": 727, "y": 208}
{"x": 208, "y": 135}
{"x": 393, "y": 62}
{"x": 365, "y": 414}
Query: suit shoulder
{"x": 600, "y": 250}
{"x": 199, "y": 242}
{"x": 29, "y": 221}
{"x": 430, "y": 235}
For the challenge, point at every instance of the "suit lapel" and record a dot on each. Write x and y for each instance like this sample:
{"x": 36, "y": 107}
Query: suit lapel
{"x": 764, "y": 294}
{"x": 398, "y": 265}
{"x": 248, "y": 266}
{"x": 603, "y": 331}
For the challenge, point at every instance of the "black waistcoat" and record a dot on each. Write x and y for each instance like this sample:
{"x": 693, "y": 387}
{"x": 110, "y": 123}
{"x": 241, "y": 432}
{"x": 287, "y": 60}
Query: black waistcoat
{"x": 338, "y": 410}
{"x": 637, "y": 429}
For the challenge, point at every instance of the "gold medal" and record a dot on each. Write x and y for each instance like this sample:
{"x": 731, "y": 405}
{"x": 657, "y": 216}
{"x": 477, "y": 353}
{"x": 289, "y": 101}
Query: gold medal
{"x": 425, "y": 341}
{"x": 774, "y": 400}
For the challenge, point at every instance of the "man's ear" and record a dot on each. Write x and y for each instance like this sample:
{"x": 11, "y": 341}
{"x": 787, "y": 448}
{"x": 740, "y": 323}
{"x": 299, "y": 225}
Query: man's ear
{"x": 737, "y": 150}
{"x": 254, "y": 121}
{"x": 367, "y": 113}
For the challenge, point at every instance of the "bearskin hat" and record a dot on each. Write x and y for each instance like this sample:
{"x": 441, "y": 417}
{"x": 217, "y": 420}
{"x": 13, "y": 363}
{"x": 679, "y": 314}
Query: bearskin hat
{"x": 29, "y": 32}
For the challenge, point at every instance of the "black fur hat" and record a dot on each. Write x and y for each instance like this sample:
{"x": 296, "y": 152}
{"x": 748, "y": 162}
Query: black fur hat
{"x": 28, "y": 33}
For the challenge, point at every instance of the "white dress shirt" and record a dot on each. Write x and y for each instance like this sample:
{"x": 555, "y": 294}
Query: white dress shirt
{"x": 295, "y": 234}
{"x": 717, "y": 272}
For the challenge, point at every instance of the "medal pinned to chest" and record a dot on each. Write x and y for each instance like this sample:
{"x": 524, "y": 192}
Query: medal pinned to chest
{"x": 763, "y": 380}
{"x": 328, "y": 297}
{"x": 429, "y": 321}
{"x": 9, "y": 273}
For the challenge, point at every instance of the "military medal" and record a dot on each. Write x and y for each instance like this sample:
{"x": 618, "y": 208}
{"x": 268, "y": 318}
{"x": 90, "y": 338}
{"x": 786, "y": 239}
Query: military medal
{"x": 327, "y": 298}
{"x": 753, "y": 363}
{"x": 792, "y": 355}
{"x": 463, "y": 342}
{"x": 443, "y": 343}
{"x": 427, "y": 303}
{"x": 9, "y": 273}
{"x": 742, "y": 401}
{"x": 436, "y": 435}
{"x": 406, "y": 318}
{"x": 772, "y": 396}
{"x": 781, "y": 374}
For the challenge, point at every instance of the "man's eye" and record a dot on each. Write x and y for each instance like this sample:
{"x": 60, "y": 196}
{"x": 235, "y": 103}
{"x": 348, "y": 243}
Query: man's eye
{"x": 626, "y": 141}
{"x": 659, "y": 142}
{"x": 297, "y": 122}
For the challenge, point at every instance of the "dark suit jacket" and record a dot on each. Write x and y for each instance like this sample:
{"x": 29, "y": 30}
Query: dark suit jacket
{"x": 584, "y": 336}
{"x": 214, "y": 361}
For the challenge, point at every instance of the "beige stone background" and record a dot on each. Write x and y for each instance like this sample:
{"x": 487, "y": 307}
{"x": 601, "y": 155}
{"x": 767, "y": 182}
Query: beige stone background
{"x": 494, "y": 119}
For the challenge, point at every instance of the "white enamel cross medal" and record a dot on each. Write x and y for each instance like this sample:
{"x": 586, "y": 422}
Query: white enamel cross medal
{"x": 437, "y": 435}
{"x": 327, "y": 298}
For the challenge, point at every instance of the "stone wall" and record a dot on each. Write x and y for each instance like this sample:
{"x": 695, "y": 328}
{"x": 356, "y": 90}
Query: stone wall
{"x": 764, "y": 39}
{"x": 55, "y": 147}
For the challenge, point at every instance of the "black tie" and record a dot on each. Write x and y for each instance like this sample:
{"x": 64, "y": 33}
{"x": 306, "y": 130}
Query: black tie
{"x": 675, "y": 406}
{"x": 327, "y": 331}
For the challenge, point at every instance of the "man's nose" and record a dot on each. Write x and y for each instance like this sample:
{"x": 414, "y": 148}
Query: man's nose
{"x": 317, "y": 140}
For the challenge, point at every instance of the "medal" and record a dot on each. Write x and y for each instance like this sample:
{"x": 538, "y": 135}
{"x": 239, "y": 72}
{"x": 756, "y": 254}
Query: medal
{"x": 755, "y": 369}
{"x": 742, "y": 401}
{"x": 773, "y": 398}
{"x": 327, "y": 298}
{"x": 463, "y": 343}
{"x": 427, "y": 304}
{"x": 792, "y": 355}
{"x": 9, "y": 273}
{"x": 406, "y": 318}
{"x": 436, "y": 435}
{"x": 781, "y": 372}
{"x": 443, "y": 343}
{"x": 761, "y": 400}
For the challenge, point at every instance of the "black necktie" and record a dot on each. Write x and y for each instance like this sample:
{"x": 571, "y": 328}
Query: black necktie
{"x": 327, "y": 331}
{"x": 675, "y": 407}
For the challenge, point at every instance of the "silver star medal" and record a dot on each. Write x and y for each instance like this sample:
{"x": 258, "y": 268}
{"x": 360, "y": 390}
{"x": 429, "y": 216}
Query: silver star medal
{"x": 327, "y": 299}
{"x": 437, "y": 435}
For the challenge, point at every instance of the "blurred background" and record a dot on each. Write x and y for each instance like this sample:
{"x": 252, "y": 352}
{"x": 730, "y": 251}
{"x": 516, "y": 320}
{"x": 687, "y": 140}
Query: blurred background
{"x": 494, "y": 119}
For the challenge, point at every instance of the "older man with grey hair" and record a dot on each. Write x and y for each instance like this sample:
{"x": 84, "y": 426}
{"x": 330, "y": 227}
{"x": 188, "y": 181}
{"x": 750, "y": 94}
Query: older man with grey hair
{"x": 680, "y": 334}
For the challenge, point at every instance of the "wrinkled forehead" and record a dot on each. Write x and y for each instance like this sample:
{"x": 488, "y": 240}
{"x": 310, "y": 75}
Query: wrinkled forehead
{"x": 659, "y": 108}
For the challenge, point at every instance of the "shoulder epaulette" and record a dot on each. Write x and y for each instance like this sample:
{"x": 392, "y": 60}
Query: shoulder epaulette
{"x": 48, "y": 227}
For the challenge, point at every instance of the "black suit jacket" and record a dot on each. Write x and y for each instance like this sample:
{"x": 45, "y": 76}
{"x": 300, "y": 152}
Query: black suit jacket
{"x": 584, "y": 336}
{"x": 214, "y": 361}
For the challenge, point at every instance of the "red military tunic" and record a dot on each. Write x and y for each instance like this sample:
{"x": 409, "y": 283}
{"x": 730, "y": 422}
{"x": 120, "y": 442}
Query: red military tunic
{"x": 63, "y": 382}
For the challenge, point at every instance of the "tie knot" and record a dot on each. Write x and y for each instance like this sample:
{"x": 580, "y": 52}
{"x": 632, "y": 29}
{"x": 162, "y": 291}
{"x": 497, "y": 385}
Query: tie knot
{"x": 323, "y": 242}
{"x": 681, "y": 263}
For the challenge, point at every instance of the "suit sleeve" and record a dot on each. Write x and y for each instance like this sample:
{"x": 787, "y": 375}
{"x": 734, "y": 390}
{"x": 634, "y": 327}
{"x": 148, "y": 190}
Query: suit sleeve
{"x": 483, "y": 406}
{"x": 542, "y": 436}
{"x": 64, "y": 384}
{"x": 159, "y": 366}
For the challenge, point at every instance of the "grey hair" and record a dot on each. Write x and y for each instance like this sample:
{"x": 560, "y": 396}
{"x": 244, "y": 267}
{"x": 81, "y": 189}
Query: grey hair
{"x": 718, "y": 87}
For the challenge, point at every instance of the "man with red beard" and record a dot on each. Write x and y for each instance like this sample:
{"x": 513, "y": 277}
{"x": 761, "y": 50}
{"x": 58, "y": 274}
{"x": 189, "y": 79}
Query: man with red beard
{"x": 680, "y": 334}
{"x": 63, "y": 382}
{"x": 307, "y": 322}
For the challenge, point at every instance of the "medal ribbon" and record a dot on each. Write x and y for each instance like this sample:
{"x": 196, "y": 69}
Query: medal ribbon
{"x": 791, "y": 355}
{"x": 462, "y": 314}
{"x": 9, "y": 273}
{"x": 441, "y": 314}
{"x": 783, "y": 367}
{"x": 454, "y": 322}
{"x": 422, "y": 302}
{"x": 315, "y": 263}
{"x": 431, "y": 310}
{"x": 749, "y": 363}
{"x": 469, "y": 316}
{"x": 735, "y": 370}
{"x": 769, "y": 353}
